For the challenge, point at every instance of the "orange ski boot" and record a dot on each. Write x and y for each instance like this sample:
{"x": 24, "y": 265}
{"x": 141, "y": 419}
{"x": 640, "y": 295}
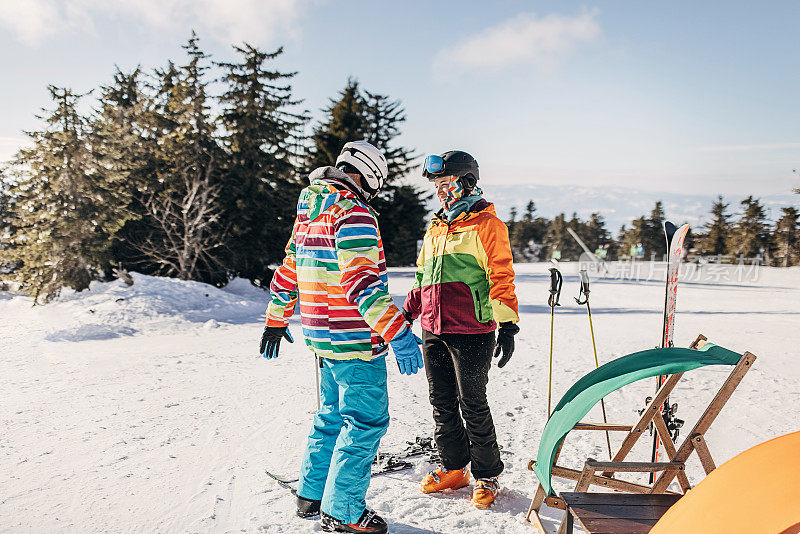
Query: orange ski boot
{"x": 485, "y": 492}
{"x": 441, "y": 479}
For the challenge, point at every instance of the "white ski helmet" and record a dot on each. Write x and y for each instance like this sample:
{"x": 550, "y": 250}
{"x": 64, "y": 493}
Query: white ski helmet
{"x": 369, "y": 162}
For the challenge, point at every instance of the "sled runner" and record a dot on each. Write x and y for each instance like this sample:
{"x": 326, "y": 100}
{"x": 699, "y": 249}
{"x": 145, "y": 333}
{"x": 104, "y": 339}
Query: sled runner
{"x": 588, "y": 391}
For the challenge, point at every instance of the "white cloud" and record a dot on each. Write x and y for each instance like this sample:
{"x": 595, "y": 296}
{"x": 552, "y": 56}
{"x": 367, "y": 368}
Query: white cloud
{"x": 32, "y": 22}
{"x": 523, "y": 40}
{"x": 29, "y": 21}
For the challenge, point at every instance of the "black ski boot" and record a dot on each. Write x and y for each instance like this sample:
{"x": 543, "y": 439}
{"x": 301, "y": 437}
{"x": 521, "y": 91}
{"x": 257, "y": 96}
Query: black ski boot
{"x": 307, "y": 507}
{"x": 370, "y": 523}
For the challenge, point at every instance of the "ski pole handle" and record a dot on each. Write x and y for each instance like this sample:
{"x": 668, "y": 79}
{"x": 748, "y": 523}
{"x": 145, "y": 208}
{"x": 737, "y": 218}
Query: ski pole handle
{"x": 583, "y": 296}
{"x": 556, "y": 280}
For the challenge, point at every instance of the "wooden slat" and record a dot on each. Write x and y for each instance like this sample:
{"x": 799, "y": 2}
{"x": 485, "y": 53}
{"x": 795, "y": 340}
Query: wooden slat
{"x": 537, "y": 522}
{"x": 644, "y": 421}
{"x": 629, "y": 511}
{"x": 536, "y": 502}
{"x": 708, "y": 417}
{"x": 616, "y": 526}
{"x": 634, "y": 467}
{"x": 699, "y": 341}
{"x": 583, "y": 484}
{"x": 669, "y": 447}
{"x": 699, "y": 444}
{"x": 586, "y": 476}
{"x": 658, "y": 499}
{"x": 613, "y": 427}
{"x": 605, "y": 482}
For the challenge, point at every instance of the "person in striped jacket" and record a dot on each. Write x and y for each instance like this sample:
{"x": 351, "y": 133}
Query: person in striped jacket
{"x": 464, "y": 288}
{"x": 335, "y": 271}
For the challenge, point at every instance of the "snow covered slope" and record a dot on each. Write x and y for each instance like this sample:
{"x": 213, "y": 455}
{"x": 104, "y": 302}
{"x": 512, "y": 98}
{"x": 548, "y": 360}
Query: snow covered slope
{"x": 146, "y": 408}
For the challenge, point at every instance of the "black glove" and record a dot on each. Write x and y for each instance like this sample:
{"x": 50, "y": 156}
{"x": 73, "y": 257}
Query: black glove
{"x": 505, "y": 342}
{"x": 271, "y": 340}
{"x": 407, "y": 316}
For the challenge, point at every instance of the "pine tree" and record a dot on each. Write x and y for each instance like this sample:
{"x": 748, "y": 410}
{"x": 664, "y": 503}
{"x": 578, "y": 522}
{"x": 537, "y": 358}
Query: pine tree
{"x": 530, "y": 211}
{"x": 632, "y": 236}
{"x": 345, "y": 122}
{"x": 570, "y": 249}
{"x": 402, "y": 209}
{"x": 65, "y": 208}
{"x": 382, "y": 120}
{"x": 750, "y": 235}
{"x": 186, "y": 232}
{"x": 556, "y": 236}
{"x": 121, "y": 154}
{"x": 787, "y": 237}
{"x": 652, "y": 238}
{"x": 718, "y": 231}
{"x": 263, "y": 133}
{"x": 7, "y": 219}
{"x": 596, "y": 233}
{"x": 527, "y": 234}
{"x": 376, "y": 119}
{"x": 512, "y": 220}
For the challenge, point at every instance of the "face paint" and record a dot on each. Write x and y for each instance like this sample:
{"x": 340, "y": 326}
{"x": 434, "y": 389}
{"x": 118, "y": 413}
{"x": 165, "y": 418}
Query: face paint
{"x": 449, "y": 190}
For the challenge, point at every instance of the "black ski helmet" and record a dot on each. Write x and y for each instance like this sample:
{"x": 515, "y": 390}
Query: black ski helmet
{"x": 457, "y": 163}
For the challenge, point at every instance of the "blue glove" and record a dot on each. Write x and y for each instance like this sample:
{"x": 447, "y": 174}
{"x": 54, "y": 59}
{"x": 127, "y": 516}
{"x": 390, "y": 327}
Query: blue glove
{"x": 271, "y": 340}
{"x": 407, "y": 353}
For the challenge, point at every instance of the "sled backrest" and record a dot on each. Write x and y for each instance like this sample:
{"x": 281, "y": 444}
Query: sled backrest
{"x": 588, "y": 391}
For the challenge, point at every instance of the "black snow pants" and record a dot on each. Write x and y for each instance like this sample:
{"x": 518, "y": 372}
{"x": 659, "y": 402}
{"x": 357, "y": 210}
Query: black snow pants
{"x": 457, "y": 366}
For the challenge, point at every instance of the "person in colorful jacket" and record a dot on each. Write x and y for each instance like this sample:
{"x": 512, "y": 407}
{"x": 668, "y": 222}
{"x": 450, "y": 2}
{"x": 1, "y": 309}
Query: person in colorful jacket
{"x": 464, "y": 288}
{"x": 335, "y": 269}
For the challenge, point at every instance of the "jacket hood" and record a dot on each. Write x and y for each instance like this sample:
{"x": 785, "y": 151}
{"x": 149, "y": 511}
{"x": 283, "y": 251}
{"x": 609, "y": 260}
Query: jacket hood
{"x": 328, "y": 186}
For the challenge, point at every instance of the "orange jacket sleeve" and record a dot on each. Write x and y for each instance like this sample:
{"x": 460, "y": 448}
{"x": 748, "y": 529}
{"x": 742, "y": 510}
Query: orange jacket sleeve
{"x": 493, "y": 235}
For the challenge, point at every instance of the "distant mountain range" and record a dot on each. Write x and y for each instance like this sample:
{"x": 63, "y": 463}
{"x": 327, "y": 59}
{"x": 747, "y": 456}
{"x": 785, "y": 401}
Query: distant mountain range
{"x": 617, "y": 205}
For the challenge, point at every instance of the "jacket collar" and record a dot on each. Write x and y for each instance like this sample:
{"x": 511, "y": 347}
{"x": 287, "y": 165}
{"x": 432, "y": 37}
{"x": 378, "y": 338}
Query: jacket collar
{"x": 479, "y": 206}
{"x": 339, "y": 180}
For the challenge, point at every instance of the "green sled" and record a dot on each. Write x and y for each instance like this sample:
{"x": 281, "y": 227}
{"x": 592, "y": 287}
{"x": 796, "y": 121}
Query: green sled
{"x": 588, "y": 391}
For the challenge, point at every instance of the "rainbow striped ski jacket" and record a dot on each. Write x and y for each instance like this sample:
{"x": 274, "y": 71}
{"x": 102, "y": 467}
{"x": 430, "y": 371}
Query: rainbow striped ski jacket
{"x": 465, "y": 277}
{"x": 335, "y": 268}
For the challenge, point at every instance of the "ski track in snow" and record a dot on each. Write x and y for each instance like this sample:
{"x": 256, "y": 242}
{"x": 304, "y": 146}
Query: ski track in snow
{"x": 147, "y": 409}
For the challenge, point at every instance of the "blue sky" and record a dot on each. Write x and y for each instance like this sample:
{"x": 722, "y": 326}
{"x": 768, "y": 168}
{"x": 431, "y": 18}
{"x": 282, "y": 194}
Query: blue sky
{"x": 685, "y": 96}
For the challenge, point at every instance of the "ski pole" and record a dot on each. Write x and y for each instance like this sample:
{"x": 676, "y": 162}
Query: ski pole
{"x": 555, "y": 292}
{"x": 584, "y": 292}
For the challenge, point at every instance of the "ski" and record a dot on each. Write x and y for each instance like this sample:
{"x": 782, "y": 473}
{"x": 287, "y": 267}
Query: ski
{"x": 392, "y": 464}
{"x": 419, "y": 447}
{"x": 383, "y": 464}
{"x": 675, "y": 237}
{"x": 285, "y": 482}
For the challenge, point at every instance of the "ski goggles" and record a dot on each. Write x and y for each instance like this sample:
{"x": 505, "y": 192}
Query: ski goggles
{"x": 435, "y": 166}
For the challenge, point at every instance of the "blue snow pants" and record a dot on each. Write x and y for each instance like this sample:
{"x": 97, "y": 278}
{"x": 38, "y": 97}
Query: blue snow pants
{"x": 353, "y": 417}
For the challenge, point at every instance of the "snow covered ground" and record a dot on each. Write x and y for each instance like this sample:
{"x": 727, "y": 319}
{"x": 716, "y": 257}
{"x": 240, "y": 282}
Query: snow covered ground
{"x": 147, "y": 409}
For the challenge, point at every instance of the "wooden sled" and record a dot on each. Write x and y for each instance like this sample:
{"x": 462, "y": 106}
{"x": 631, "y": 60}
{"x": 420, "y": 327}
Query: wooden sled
{"x": 588, "y": 391}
